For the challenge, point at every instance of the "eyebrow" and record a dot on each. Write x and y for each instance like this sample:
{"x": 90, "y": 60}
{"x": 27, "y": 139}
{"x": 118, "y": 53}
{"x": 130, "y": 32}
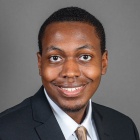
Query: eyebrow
{"x": 86, "y": 47}
{"x": 51, "y": 48}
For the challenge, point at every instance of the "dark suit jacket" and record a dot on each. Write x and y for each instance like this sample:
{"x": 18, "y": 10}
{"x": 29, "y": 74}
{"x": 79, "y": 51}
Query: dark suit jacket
{"x": 33, "y": 119}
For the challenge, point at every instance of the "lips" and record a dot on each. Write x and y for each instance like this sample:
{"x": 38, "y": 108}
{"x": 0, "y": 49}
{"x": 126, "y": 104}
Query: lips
{"x": 71, "y": 91}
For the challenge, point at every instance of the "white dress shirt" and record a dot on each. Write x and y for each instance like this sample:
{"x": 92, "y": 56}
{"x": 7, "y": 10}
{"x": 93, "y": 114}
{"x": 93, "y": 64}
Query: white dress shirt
{"x": 68, "y": 125}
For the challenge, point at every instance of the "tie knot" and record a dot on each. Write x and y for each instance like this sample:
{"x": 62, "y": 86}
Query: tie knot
{"x": 81, "y": 133}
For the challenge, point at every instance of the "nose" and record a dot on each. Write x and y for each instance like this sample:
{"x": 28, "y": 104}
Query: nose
{"x": 70, "y": 69}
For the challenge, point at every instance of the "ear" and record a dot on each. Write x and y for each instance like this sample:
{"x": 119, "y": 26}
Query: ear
{"x": 104, "y": 62}
{"x": 39, "y": 58}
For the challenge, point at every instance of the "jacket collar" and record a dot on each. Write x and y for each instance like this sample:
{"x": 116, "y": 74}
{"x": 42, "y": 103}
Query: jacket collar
{"x": 49, "y": 128}
{"x": 101, "y": 124}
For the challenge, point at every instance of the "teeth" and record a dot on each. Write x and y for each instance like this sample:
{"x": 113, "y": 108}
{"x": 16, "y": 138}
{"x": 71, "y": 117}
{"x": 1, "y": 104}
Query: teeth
{"x": 71, "y": 89}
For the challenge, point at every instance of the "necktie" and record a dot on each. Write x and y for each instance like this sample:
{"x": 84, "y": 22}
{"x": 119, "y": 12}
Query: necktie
{"x": 81, "y": 133}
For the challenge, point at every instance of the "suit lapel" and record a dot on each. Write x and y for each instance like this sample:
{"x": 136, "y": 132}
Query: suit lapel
{"x": 48, "y": 128}
{"x": 100, "y": 123}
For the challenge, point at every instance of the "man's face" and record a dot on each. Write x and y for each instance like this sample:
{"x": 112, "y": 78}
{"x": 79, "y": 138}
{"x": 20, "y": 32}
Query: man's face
{"x": 71, "y": 63}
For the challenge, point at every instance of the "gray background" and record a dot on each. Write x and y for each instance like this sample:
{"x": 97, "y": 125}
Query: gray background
{"x": 20, "y": 21}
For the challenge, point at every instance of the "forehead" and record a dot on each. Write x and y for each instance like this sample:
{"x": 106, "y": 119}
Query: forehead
{"x": 74, "y": 32}
{"x": 70, "y": 27}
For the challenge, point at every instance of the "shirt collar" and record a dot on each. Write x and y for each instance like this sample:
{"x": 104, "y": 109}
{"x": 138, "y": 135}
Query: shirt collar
{"x": 66, "y": 123}
{"x": 87, "y": 123}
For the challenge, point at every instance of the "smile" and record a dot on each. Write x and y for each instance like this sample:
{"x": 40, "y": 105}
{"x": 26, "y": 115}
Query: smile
{"x": 71, "y": 92}
{"x": 72, "y": 89}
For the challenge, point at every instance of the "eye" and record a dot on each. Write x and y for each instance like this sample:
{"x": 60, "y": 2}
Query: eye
{"x": 85, "y": 57}
{"x": 55, "y": 58}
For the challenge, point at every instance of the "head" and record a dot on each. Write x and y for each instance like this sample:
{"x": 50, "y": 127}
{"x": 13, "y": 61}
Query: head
{"x": 72, "y": 57}
{"x": 73, "y": 14}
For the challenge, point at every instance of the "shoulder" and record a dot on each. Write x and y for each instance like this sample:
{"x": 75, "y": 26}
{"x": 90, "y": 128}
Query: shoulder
{"x": 17, "y": 122}
{"x": 115, "y": 122}
{"x": 17, "y": 117}
{"x": 16, "y": 112}
{"x": 21, "y": 106}
{"x": 111, "y": 115}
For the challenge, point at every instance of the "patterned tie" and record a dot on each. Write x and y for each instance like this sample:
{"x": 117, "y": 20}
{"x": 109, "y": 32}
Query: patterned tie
{"x": 81, "y": 133}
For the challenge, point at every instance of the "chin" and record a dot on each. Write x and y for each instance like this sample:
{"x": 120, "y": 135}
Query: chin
{"x": 71, "y": 109}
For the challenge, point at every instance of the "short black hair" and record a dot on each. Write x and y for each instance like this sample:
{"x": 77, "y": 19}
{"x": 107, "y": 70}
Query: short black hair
{"x": 73, "y": 14}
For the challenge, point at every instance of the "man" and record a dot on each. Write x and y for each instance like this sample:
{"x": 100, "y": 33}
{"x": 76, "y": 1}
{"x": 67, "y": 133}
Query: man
{"x": 72, "y": 58}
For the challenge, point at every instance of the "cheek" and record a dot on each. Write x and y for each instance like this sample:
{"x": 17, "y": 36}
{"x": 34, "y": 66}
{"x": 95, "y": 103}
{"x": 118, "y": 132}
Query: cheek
{"x": 49, "y": 73}
{"x": 92, "y": 72}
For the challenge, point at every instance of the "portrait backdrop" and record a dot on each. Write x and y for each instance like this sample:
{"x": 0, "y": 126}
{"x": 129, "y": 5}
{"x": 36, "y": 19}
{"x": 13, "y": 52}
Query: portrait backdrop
{"x": 20, "y": 21}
